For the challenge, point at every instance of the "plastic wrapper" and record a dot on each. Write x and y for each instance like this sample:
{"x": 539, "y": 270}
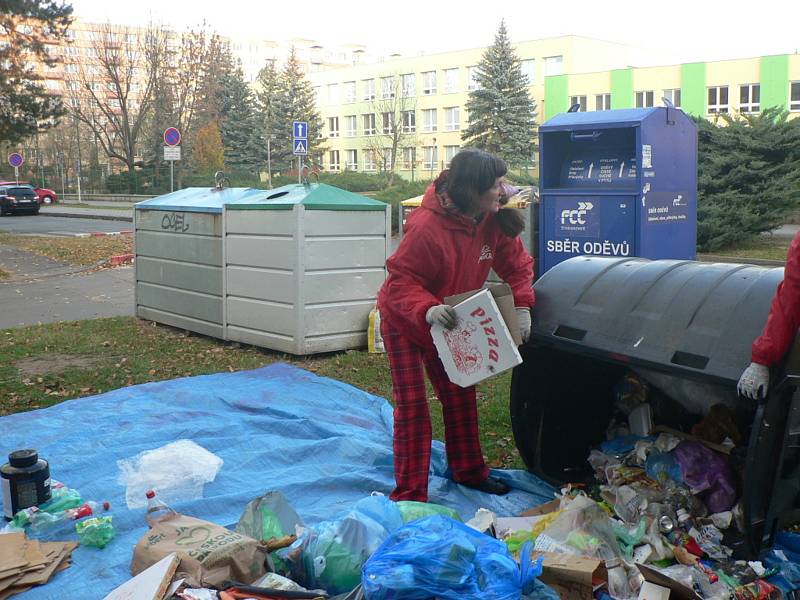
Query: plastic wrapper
{"x": 177, "y": 471}
{"x": 708, "y": 475}
{"x": 97, "y": 531}
{"x": 661, "y": 466}
{"x": 268, "y": 516}
{"x": 330, "y": 556}
{"x": 440, "y": 557}
{"x": 582, "y": 527}
{"x": 411, "y": 511}
{"x": 629, "y": 537}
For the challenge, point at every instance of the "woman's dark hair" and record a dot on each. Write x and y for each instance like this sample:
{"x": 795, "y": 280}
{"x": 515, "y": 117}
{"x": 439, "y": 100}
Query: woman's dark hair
{"x": 472, "y": 172}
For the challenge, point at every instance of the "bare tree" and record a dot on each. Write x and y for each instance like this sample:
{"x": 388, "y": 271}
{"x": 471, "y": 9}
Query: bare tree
{"x": 394, "y": 108}
{"x": 112, "y": 94}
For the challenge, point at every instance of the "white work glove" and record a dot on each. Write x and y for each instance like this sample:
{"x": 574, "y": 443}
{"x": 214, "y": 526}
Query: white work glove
{"x": 442, "y": 315}
{"x": 524, "y": 320}
{"x": 754, "y": 382}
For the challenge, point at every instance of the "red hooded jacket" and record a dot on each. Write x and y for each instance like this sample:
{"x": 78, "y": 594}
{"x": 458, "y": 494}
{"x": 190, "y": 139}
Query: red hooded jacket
{"x": 445, "y": 253}
{"x": 784, "y": 314}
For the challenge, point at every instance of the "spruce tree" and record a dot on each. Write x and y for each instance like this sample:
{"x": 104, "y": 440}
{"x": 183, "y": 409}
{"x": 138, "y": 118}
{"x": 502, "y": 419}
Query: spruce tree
{"x": 294, "y": 101}
{"x": 239, "y": 124}
{"x": 501, "y": 112}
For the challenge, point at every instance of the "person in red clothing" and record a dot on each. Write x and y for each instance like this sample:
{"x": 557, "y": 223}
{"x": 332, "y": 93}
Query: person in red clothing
{"x": 449, "y": 245}
{"x": 780, "y": 330}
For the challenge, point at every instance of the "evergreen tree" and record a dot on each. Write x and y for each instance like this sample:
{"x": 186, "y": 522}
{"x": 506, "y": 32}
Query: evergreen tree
{"x": 239, "y": 123}
{"x": 748, "y": 176}
{"x": 293, "y": 100}
{"x": 501, "y": 112}
{"x": 28, "y": 25}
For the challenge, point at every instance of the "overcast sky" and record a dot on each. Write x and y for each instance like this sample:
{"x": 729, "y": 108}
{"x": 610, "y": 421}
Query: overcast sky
{"x": 696, "y": 30}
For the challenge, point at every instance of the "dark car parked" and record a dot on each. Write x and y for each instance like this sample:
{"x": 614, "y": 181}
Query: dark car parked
{"x": 18, "y": 198}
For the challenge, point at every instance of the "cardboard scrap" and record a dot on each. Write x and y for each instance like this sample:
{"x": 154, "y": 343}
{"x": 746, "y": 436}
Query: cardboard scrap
{"x": 572, "y": 577}
{"x": 34, "y": 563}
{"x": 678, "y": 591}
{"x": 150, "y": 584}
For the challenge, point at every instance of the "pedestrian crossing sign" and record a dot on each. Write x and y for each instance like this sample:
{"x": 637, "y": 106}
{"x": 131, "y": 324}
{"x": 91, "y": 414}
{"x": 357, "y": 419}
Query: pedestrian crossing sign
{"x": 300, "y": 147}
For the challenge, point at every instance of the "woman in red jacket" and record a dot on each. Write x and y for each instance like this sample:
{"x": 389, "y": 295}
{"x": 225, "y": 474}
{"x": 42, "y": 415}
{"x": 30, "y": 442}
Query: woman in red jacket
{"x": 449, "y": 245}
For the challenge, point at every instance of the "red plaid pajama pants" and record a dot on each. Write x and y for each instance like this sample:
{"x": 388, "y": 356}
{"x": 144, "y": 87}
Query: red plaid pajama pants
{"x": 412, "y": 423}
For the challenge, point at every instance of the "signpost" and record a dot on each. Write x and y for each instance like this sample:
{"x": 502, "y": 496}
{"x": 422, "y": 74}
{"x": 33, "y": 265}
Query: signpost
{"x": 15, "y": 159}
{"x": 299, "y": 145}
{"x": 172, "y": 152}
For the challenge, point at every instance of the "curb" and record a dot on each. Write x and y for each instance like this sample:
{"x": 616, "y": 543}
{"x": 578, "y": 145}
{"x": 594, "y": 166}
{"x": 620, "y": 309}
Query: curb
{"x": 88, "y": 216}
{"x": 103, "y": 233}
{"x": 120, "y": 259}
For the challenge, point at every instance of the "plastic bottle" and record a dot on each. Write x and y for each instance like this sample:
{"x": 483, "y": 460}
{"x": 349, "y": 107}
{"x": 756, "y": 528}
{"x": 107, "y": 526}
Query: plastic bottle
{"x": 157, "y": 511}
{"x": 88, "y": 509}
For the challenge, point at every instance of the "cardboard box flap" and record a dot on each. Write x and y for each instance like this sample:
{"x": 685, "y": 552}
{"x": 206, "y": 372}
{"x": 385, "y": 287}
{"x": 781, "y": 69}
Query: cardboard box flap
{"x": 504, "y": 298}
{"x": 677, "y": 589}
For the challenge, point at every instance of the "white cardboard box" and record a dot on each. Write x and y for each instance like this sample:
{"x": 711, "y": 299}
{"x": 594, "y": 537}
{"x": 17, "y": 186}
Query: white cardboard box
{"x": 480, "y": 346}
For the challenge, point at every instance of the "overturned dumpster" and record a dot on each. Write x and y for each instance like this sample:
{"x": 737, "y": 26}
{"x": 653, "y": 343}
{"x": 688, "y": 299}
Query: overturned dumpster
{"x": 303, "y": 266}
{"x": 686, "y": 329}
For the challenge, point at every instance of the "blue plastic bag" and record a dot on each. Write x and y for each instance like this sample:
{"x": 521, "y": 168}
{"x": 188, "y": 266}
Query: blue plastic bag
{"x": 442, "y": 558}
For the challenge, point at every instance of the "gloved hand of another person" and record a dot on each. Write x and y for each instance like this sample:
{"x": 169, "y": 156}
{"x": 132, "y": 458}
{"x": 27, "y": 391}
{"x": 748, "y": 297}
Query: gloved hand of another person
{"x": 524, "y": 320}
{"x": 754, "y": 381}
{"x": 442, "y": 315}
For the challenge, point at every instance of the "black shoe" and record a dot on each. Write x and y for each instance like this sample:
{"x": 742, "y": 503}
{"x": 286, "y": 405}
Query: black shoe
{"x": 490, "y": 485}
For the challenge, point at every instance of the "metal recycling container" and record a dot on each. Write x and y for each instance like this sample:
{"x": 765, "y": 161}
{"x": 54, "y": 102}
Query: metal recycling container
{"x": 179, "y": 276}
{"x": 618, "y": 183}
{"x": 684, "y": 327}
{"x": 303, "y": 266}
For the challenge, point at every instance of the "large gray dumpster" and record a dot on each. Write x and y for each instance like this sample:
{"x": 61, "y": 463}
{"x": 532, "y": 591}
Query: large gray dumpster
{"x": 684, "y": 327}
{"x": 179, "y": 276}
{"x": 303, "y": 267}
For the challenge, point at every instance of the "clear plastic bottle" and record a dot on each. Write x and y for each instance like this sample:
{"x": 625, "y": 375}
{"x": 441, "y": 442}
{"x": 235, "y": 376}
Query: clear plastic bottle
{"x": 618, "y": 584}
{"x": 157, "y": 511}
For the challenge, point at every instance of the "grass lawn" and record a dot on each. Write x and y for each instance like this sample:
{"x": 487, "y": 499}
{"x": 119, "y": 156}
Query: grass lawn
{"x": 73, "y": 250}
{"x": 42, "y": 365}
{"x": 769, "y": 247}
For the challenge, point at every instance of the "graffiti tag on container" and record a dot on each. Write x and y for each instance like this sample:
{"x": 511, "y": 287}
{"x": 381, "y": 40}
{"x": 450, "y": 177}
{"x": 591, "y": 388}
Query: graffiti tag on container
{"x": 174, "y": 222}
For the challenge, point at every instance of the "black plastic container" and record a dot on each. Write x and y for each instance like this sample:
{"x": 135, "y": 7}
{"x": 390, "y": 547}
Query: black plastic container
{"x": 25, "y": 481}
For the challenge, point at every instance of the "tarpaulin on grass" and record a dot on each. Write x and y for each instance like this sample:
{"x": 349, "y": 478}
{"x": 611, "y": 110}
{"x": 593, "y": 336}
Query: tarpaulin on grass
{"x": 323, "y": 443}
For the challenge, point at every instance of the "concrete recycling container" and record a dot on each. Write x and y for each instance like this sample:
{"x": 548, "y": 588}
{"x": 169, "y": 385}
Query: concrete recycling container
{"x": 684, "y": 327}
{"x": 179, "y": 275}
{"x": 303, "y": 266}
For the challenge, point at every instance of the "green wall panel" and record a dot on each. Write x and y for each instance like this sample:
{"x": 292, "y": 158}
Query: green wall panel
{"x": 775, "y": 81}
{"x": 622, "y": 88}
{"x": 693, "y": 89}
{"x": 555, "y": 95}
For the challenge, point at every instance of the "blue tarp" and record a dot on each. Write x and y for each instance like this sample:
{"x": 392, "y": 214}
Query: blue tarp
{"x": 323, "y": 443}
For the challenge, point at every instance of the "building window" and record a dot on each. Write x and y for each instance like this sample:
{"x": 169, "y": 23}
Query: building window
{"x": 409, "y": 121}
{"x": 718, "y": 99}
{"x": 349, "y": 91}
{"x": 673, "y": 96}
{"x": 333, "y": 127}
{"x": 387, "y": 87}
{"x": 450, "y": 81}
{"x": 553, "y": 65}
{"x": 429, "y": 83}
{"x": 472, "y": 79}
{"x": 73, "y": 85}
{"x": 529, "y": 70}
{"x": 580, "y": 100}
{"x": 369, "y": 124}
{"x": 451, "y": 119}
{"x": 750, "y": 97}
{"x": 70, "y": 68}
{"x": 333, "y": 93}
{"x": 388, "y": 123}
{"x": 91, "y": 52}
{"x": 369, "y": 89}
{"x": 449, "y": 153}
{"x": 350, "y": 126}
{"x": 409, "y": 156}
{"x": 352, "y": 160}
{"x": 409, "y": 82}
{"x": 602, "y": 102}
{"x": 429, "y": 119}
{"x": 431, "y": 154}
{"x": 794, "y": 95}
{"x": 644, "y": 99}
{"x": 71, "y": 51}
{"x": 369, "y": 160}
{"x": 333, "y": 160}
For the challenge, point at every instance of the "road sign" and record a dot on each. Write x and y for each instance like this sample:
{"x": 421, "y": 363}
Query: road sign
{"x": 15, "y": 159}
{"x": 300, "y": 147}
{"x": 299, "y": 130}
{"x": 172, "y": 137}
{"x": 172, "y": 152}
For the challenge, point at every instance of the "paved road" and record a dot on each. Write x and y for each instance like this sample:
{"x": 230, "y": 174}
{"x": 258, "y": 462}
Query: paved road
{"x": 46, "y": 291}
{"x": 42, "y": 224}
